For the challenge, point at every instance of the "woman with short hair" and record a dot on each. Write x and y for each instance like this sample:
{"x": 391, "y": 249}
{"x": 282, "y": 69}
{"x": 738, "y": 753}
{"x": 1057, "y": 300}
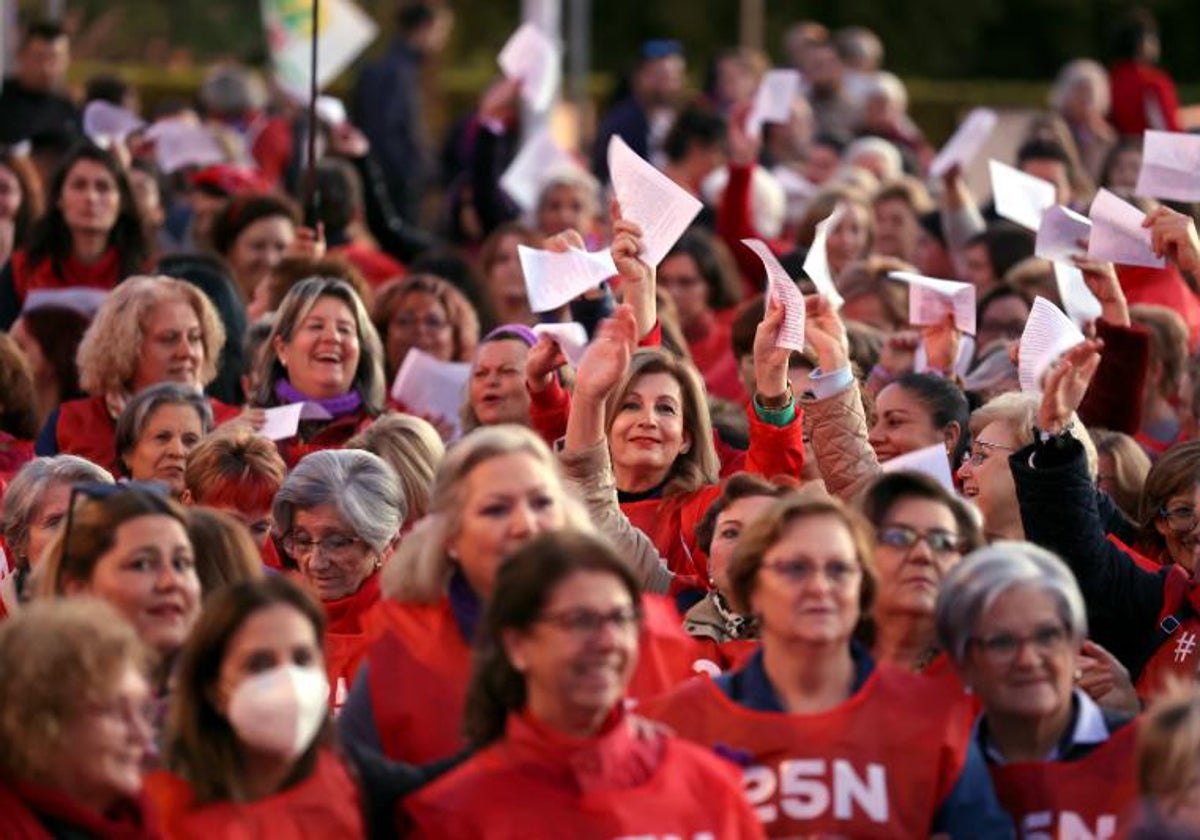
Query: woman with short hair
{"x": 1012, "y": 619}
{"x": 239, "y": 473}
{"x": 75, "y": 726}
{"x": 426, "y": 312}
{"x": 157, "y": 430}
{"x": 413, "y": 448}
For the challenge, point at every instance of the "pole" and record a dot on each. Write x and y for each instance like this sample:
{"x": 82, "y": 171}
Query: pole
{"x": 579, "y": 61}
{"x": 312, "y": 196}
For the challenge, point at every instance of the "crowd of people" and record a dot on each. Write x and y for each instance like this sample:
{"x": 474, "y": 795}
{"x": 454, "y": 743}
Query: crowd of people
{"x": 673, "y": 584}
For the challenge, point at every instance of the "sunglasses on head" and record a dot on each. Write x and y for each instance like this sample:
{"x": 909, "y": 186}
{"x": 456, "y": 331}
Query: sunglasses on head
{"x": 99, "y": 490}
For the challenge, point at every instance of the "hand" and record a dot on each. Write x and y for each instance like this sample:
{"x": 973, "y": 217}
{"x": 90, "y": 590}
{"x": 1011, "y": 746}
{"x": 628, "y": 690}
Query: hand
{"x": 824, "y": 330}
{"x": 899, "y": 353}
{"x": 941, "y": 345}
{"x": 308, "y": 243}
{"x": 606, "y": 360}
{"x": 1066, "y": 383}
{"x": 499, "y": 101}
{"x": 627, "y": 249}
{"x": 544, "y": 359}
{"x": 1173, "y": 235}
{"x": 770, "y": 362}
{"x": 347, "y": 141}
{"x": 1106, "y": 680}
{"x": 251, "y": 419}
{"x": 743, "y": 148}
{"x": 1101, "y": 279}
{"x": 562, "y": 242}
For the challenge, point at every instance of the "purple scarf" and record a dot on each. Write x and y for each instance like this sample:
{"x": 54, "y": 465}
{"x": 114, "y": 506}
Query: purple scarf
{"x": 340, "y": 406}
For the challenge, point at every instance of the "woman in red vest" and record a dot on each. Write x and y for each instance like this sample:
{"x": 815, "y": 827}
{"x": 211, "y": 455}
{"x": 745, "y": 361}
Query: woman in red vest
{"x": 1012, "y": 618}
{"x": 495, "y": 489}
{"x": 249, "y": 739}
{"x": 545, "y": 712}
{"x": 322, "y": 351}
{"x": 75, "y": 727}
{"x": 148, "y": 330}
{"x": 90, "y": 236}
{"x": 338, "y": 517}
{"x": 830, "y": 741}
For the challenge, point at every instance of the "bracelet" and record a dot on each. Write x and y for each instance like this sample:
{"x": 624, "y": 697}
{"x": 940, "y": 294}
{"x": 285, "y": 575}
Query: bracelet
{"x": 769, "y": 403}
{"x": 1044, "y": 436}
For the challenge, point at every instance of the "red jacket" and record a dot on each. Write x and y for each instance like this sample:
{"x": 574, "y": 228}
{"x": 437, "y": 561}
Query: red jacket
{"x": 1140, "y": 92}
{"x": 14, "y": 454}
{"x": 374, "y": 265}
{"x": 346, "y": 637}
{"x": 843, "y": 772}
{"x": 85, "y": 428}
{"x": 1177, "y": 654}
{"x": 1090, "y": 797}
{"x": 105, "y": 273}
{"x": 537, "y": 782}
{"x": 1165, "y": 287}
{"x": 326, "y": 804}
{"x": 24, "y": 807}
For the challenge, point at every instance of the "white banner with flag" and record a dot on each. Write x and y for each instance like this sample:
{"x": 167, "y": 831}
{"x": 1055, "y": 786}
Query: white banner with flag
{"x": 343, "y": 32}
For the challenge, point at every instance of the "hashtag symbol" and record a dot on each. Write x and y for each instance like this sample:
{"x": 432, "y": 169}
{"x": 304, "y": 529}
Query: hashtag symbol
{"x": 1185, "y": 646}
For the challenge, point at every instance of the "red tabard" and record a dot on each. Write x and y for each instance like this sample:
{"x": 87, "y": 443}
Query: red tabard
{"x": 1178, "y": 654}
{"x": 843, "y": 772}
{"x": 1091, "y": 797}
{"x": 615, "y": 787}
{"x": 324, "y": 805}
{"x": 718, "y": 657}
{"x": 23, "y": 807}
{"x": 346, "y": 638}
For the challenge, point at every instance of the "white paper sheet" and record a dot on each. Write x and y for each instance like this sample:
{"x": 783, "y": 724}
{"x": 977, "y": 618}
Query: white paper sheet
{"x": 661, "y": 207}
{"x": 570, "y": 336}
{"x": 539, "y": 158}
{"x": 1170, "y": 166}
{"x": 816, "y": 262}
{"x": 344, "y": 31}
{"x": 1077, "y": 299}
{"x": 1048, "y": 334}
{"x": 1060, "y": 232}
{"x": 533, "y": 58}
{"x": 425, "y": 385}
{"x": 331, "y": 110}
{"x": 1117, "y": 233}
{"x": 1020, "y": 197}
{"x": 930, "y": 299}
{"x": 773, "y": 100}
{"x": 553, "y": 279}
{"x": 106, "y": 123}
{"x": 781, "y": 287}
{"x": 966, "y": 142}
{"x": 178, "y": 144}
{"x": 931, "y": 461}
{"x": 283, "y": 421}
{"x": 83, "y": 299}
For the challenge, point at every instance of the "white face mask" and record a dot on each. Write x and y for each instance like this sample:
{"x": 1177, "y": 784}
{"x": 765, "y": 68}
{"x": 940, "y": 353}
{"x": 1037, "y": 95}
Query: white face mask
{"x": 280, "y": 710}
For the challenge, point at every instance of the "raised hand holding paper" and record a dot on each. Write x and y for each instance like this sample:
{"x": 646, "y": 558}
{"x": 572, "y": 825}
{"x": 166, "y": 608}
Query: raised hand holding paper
{"x": 178, "y": 144}
{"x": 650, "y": 199}
{"x": 1077, "y": 299}
{"x": 104, "y": 122}
{"x": 1170, "y": 166}
{"x": 1060, "y": 233}
{"x": 816, "y": 262}
{"x": 931, "y": 461}
{"x": 1117, "y": 233}
{"x": 930, "y": 298}
{"x": 962, "y": 148}
{"x": 554, "y": 279}
{"x": 1020, "y": 197}
{"x": 773, "y": 100}
{"x": 533, "y": 58}
{"x": 426, "y": 385}
{"x": 782, "y": 288}
{"x": 1048, "y": 334}
{"x": 539, "y": 158}
{"x": 571, "y": 337}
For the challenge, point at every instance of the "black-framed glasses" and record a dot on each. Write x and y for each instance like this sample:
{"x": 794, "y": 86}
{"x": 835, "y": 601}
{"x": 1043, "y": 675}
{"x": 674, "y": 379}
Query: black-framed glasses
{"x": 1182, "y": 519}
{"x": 940, "y": 541}
{"x": 587, "y": 623}
{"x": 99, "y": 490}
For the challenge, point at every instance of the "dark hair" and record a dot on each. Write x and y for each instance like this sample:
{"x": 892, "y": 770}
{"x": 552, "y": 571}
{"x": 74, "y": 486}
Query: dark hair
{"x": 244, "y": 211}
{"x": 131, "y": 425}
{"x": 1130, "y": 35}
{"x": 997, "y": 292}
{"x": 1124, "y": 146}
{"x": 43, "y": 30}
{"x": 106, "y": 87}
{"x": 946, "y": 404}
{"x": 32, "y": 199}
{"x": 524, "y": 584}
{"x": 699, "y": 244}
{"x": 1038, "y": 148}
{"x": 51, "y": 237}
{"x": 693, "y": 127}
{"x": 740, "y": 485}
{"x": 201, "y": 745}
{"x": 1006, "y": 244}
{"x": 58, "y": 331}
{"x": 413, "y": 15}
{"x": 888, "y": 489}
{"x": 831, "y": 141}
{"x": 341, "y": 194}
{"x": 1177, "y": 471}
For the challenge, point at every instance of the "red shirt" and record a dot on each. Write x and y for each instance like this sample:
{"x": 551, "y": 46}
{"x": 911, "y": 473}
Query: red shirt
{"x": 712, "y": 352}
{"x": 374, "y": 265}
{"x": 104, "y": 273}
{"x": 1142, "y": 97}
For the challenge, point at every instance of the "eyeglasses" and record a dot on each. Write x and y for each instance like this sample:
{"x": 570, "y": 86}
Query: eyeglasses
{"x": 980, "y": 450}
{"x": 1003, "y": 648}
{"x": 335, "y": 546}
{"x": 586, "y": 623}
{"x": 938, "y": 540}
{"x": 798, "y": 572}
{"x": 1182, "y": 520}
{"x": 408, "y": 323}
{"x": 97, "y": 490}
